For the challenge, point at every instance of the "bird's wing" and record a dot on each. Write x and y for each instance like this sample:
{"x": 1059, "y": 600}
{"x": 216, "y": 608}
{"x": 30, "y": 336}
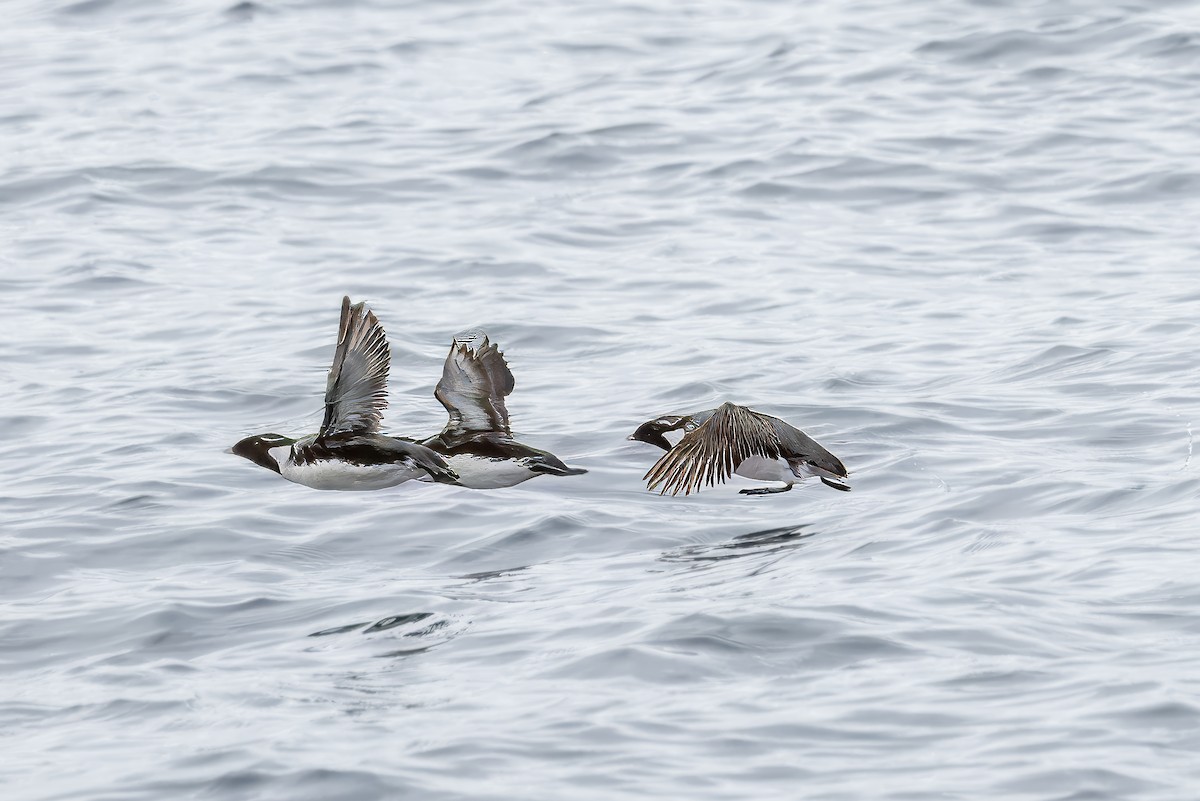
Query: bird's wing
{"x": 475, "y": 381}
{"x": 796, "y": 446}
{"x": 710, "y": 453}
{"x": 356, "y": 392}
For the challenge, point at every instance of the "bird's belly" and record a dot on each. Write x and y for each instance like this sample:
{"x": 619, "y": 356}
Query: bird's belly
{"x": 762, "y": 469}
{"x": 331, "y": 474}
{"x": 478, "y": 472}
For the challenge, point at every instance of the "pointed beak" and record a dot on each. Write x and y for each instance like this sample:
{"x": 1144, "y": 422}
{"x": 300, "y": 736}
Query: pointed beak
{"x": 229, "y": 450}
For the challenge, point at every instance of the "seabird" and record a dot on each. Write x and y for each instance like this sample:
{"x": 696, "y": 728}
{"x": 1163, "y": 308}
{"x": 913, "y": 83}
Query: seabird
{"x": 734, "y": 439}
{"x": 477, "y": 441}
{"x": 349, "y": 453}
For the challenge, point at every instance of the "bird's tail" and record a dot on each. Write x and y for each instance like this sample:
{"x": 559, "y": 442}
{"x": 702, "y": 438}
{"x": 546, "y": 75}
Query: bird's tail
{"x": 433, "y": 464}
{"x": 442, "y": 475}
{"x": 551, "y": 465}
{"x": 826, "y": 467}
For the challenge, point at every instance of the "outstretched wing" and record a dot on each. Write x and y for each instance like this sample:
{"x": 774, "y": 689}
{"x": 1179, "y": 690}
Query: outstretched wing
{"x": 709, "y": 454}
{"x": 475, "y": 381}
{"x": 356, "y": 392}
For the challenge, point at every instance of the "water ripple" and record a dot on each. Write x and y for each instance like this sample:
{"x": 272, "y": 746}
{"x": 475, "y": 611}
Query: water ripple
{"x": 955, "y": 246}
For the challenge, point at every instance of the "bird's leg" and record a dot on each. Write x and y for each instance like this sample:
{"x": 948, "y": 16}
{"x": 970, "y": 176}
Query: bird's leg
{"x": 765, "y": 490}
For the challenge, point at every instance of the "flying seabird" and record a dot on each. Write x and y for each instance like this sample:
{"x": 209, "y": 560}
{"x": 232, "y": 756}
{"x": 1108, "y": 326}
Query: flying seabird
{"x": 477, "y": 441}
{"x": 349, "y": 453}
{"x": 734, "y": 439}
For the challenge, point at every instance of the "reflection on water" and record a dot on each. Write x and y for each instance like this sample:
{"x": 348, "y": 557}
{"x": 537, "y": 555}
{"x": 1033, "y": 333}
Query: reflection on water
{"x": 398, "y": 620}
{"x": 338, "y": 629}
{"x": 756, "y": 543}
{"x": 433, "y": 634}
{"x": 486, "y": 575}
{"x": 390, "y": 622}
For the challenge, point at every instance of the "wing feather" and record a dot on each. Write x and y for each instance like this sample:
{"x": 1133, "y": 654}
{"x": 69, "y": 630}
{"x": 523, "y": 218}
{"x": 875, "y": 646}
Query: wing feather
{"x": 709, "y": 454}
{"x": 356, "y": 391}
{"x": 475, "y": 382}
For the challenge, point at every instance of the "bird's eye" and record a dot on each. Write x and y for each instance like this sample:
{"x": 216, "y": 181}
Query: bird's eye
{"x": 690, "y": 426}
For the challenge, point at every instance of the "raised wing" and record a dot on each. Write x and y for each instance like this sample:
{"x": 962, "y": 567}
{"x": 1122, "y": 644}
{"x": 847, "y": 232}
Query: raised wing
{"x": 710, "y": 453}
{"x": 475, "y": 382}
{"x": 356, "y": 392}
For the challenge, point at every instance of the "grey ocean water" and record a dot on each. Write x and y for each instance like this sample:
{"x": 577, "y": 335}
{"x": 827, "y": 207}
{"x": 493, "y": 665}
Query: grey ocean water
{"x": 956, "y": 242}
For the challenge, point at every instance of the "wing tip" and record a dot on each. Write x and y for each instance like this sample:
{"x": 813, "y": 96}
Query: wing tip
{"x": 471, "y": 338}
{"x": 359, "y": 331}
{"x": 353, "y": 317}
{"x": 475, "y": 345}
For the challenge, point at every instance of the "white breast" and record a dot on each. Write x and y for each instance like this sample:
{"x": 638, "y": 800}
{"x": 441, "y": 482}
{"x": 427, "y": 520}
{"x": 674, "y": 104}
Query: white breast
{"x": 479, "y": 473}
{"x": 335, "y": 475}
{"x": 761, "y": 469}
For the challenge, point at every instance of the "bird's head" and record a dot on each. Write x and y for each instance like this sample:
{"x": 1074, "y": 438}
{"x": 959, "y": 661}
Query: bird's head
{"x": 258, "y": 449}
{"x": 651, "y": 431}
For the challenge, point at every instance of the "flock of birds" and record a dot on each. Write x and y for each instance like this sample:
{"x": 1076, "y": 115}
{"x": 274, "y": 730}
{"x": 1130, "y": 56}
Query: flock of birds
{"x": 476, "y": 448}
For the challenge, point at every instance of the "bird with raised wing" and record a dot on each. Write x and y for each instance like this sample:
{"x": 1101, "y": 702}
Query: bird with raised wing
{"x": 349, "y": 453}
{"x": 731, "y": 439}
{"x": 477, "y": 441}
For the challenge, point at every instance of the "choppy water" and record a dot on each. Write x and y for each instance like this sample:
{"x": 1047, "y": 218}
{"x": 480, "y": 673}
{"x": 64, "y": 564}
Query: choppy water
{"x": 956, "y": 242}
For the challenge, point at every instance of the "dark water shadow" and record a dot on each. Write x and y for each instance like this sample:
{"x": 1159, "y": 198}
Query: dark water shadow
{"x": 339, "y": 629}
{"x": 487, "y": 575}
{"x": 432, "y": 634}
{"x": 383, "y": 624}
{"x": 397, "y": 620}
{"x": 756, "y": 543}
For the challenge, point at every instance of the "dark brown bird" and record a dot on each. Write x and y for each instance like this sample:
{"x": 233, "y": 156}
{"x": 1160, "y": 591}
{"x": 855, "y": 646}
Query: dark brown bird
{"x": 733, "y": 439}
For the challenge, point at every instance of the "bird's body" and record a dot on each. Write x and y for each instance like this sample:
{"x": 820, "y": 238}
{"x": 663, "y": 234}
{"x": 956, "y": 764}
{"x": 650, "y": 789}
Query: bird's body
{"x": 357, "y": 462}
{"x": 475, "y": 449}
{"x": 349, "y": 453}
{"x": 486, "y": 465}
{"x": 477, "y": 441}
{"x": 732, "y": 439}
{"x": 761, "y": 468}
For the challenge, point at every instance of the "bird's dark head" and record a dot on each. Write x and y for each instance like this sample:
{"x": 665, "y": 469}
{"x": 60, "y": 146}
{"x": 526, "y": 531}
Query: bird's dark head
{"x": 258, "y": 449}
{"x": 651, "y": 432}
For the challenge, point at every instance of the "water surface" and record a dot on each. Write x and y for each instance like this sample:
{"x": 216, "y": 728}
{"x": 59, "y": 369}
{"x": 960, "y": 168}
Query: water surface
{"x": 956, "y": 243}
